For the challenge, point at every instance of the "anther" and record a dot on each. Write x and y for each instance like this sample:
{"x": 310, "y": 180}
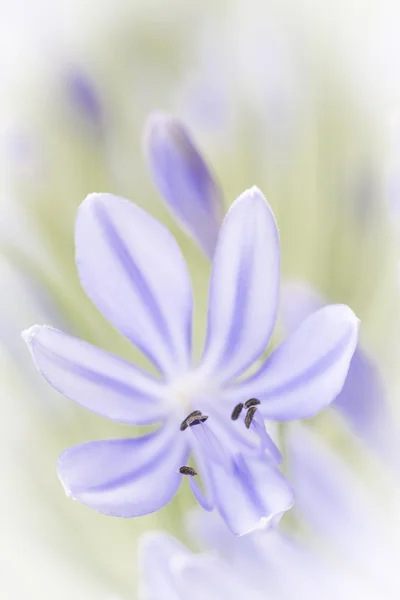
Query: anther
{"x": 195, "y": 420}
{"x": 252, "y": 402}
{"x": 249, "y": 416}
{"x": 185, "y": 423}
{"x": 187, "y": 471}
{"x": 236, "y": 411}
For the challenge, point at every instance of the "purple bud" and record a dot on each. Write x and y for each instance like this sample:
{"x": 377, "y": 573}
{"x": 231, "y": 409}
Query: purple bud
{"x": 183, "y": 179}
{"x": 84, "y": 98}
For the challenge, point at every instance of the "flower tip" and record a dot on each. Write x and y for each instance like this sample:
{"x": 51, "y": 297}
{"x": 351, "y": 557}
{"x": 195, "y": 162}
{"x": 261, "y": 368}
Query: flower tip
{"x": 349, "y": 315}
{"x": 254, "y": 196}
{"x": 157, "y": 120}
{"x": 28, "y": 334}
{"x": 161, "y": 128}
{"x": 254, "y": 202}
{"x": 92, "y": 198}
{"x": 67, "y": 490}
{"x": 269, "y": 523}
{"x": 92, "y": 203}
{"x": 255, "y": 192}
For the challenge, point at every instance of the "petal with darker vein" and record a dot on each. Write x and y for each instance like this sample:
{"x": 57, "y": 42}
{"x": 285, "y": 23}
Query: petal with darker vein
{"x": 125, "y": 477}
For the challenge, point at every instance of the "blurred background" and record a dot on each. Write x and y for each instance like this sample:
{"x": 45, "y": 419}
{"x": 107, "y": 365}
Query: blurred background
{"x": 300, "y": 98}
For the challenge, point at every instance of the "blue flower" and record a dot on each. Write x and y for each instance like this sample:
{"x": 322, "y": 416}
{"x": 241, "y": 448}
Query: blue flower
{"x": 133, "y": 271}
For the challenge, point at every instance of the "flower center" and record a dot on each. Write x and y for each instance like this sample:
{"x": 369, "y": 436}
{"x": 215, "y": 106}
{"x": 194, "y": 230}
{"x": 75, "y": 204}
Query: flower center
{"x": 189, "y": 392}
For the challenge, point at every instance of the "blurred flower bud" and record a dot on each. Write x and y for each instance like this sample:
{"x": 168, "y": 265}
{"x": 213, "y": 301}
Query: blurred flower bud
{"x": 84, "y": 98}
{"x": 183, "y": 179}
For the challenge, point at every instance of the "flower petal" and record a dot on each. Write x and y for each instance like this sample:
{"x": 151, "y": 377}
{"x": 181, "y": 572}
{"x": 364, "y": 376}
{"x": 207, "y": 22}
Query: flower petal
{"x": 307, "y": 371}
{"x": 247, "y": 490}
{"x": 235, "y": 436}
{"x": 328, "y": 495}
{"x": 267, "y": 444}
{"x": 208, "y": 576}
{"x": 252, "y": 495}
{"x": 183, "y": 179}
{"x": 170, "y": 572}
{"x": 362, "y": 400}
{"x": 126, "y": 477}
{"x": 97, "y": 380}
{"x": 263, "y": 559}
{"x": 200, "y": 495}
{"x": 158, "y": 552}
{"x": 244, "y": 287}
{"x": 337, "y": 504}
{"x": 363, "y": 403}
{"x": 132, "y": 269}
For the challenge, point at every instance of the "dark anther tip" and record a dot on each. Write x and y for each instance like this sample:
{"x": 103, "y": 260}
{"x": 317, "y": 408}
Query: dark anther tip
{"x": 197, "y": 420}
{"x": 249, "y": 416}
{"x": 252, "y": 402}
{"x": 236, "y": 411}
{"x": 186, "y": 422}
{"x": 187, "y": 471}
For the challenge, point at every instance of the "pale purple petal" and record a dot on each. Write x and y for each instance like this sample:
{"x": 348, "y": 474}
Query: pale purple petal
{"x": 130, "y": 266}
{"x": 263, "y": 559}
{"x": 363, "y": 403}
{"x": 232, "y": 434}
{"x": 252, "y": 495}
{"x": 200, "y": 495}
{"x": 85, "y": 98}
{"x": 125, "y": 477}
{"x": 307, "y": 371}
{"x": 247, "y": 490}
{"x": 209, "y": 577}
{"x": 334, "y": 502}
{"x": 362, "y": 400}
{"x": 210, "y": 531}
{"x": 327, "y": 493}
{"x": 209, "y": 446}
{"x": 237, "y": 438}
{"x": 170, "y": 572}
{"x": 158, "y": 554}
{"x": 99, "y": 381}
{"x": 244, "y": 287}
{"x": 183, "y": 179}
{"x": 267, "y": 445}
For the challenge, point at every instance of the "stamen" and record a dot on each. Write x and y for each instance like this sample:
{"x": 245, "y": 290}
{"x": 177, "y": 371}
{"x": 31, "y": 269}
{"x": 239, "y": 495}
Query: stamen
{"x": 251, "y": 402}
{"x": 249, "y": 417}
{"x": 185, "y": 424}
{"x": 187, "y": 471}
{"x": 236, "y": 411}
{"x": 197, "y": 420}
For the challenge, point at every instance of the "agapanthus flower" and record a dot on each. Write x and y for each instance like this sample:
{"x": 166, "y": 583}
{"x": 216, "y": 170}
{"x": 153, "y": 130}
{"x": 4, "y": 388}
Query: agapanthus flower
{"x": 132, "y": 269}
